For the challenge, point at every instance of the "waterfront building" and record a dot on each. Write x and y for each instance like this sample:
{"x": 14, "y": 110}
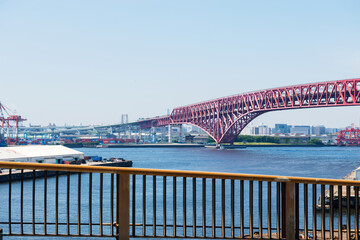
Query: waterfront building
{"x": 260, "y": 130}
{"x": 318, "y": 130}
{"x": 300, "y": 130}
{"x": 191, "y": 129}
{"x": 200, "y": 138}
{"x": 281, "y": 128}
{"x": 331, "y": 130}
{"x": 327, "y": 138}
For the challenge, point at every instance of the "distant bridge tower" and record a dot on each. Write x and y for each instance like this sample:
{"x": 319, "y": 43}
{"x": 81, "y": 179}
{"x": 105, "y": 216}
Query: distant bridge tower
{"x": 124, "y": 119}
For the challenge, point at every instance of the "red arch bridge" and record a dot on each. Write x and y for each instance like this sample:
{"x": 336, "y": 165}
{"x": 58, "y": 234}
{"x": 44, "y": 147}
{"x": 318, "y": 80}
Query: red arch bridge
{"x": 224, "y": 118}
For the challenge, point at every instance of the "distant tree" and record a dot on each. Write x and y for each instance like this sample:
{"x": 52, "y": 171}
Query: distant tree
{"x": 315, "y": 141}
{"x": 210, "y": 140}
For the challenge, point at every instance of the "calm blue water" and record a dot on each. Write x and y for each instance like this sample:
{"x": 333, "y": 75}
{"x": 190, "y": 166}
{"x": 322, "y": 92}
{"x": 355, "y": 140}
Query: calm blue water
{"x": 325, "y": 162}
{"x": 322, "y": 162}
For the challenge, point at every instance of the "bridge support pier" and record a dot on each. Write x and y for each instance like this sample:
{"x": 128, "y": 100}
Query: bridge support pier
{"x": 180, "y": 133}
{"x": 163, "y": 134}
{"x": 140, "y": 135}
{"x": 170, "y": 134}
{"x": 153, "y": 134}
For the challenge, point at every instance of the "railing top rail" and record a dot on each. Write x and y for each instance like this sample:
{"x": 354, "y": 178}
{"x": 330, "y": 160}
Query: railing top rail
{"x": 173, "y": 173}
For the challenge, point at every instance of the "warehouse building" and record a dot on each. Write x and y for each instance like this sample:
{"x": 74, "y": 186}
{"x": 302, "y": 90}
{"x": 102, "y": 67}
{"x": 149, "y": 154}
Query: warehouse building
{"x": 40, "y": 154}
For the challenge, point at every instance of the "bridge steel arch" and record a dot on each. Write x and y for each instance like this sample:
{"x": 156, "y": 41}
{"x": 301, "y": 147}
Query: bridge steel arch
{"x": 224, "y": 118}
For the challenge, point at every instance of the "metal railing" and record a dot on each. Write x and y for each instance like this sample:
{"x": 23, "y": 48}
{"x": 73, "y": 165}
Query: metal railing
{"x": 89, "y": 201}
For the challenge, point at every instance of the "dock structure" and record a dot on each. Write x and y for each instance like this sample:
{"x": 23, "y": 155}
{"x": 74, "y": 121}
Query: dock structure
{"x": 339, "y": 192}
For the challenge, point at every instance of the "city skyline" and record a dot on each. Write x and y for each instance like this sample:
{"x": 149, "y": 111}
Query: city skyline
{"x": 71, "y": 62}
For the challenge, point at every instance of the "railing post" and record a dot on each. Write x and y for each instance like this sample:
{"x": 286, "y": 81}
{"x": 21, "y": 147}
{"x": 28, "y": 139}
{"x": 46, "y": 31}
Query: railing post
{"x": 122, "y": 206}
{"x": 288, "y": 210}
{"x": 1, "y": 234}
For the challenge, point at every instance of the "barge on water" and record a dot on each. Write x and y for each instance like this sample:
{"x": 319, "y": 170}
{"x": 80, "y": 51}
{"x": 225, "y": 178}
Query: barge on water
{"x": 28, "y": 174}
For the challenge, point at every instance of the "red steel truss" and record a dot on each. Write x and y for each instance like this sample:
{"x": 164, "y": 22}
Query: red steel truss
{"x": 224, "y": 118}
{"x": 349, "y": 137}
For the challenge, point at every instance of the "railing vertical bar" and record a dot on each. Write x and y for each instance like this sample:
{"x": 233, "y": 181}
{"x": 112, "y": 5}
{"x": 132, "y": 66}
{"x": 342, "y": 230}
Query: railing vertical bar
{"x": 133, "y": 205}
{"x": 331, "y": 220}
{"x": 22, "y": 202}
{"x": 90, "y": 204}
{"x": 306, "y": 204}
{"x": 348, "y": 213}
{"x": 283, "y": 210}
{"x": 251, "y": 206}
{"x": 194, "y": 206}
{"x": 242, "y": 205}
{"x": 68, "y": 204}
{"x": 57, "y": 203}
{"x": 33, "y": 202}
{"x": 339, "y": 212}
{"x": 122, "y": 206}
{"x": 314, "y": 210}
{"x": 278, "y": 210}
{"x": 288, "y": 207}
{"x": 213, "y": 208}
{"x": 269, "y": 209}
{"x": 260, "y": 207}
{"x": 10, "y": 176}
{"x": 204, "y": 206}
{"x": 174, "y": 206}
{"x": 154, "y": 205}
{"x": 144, "y": 206}
{"x": 101, "y": 202}
{"x": 79, "y": 203}
{"x": 112, "y": 204}
{"x": 297, "y": 214}
{"x": 184, "y": 206}
{"x": 45, "y": 202}
{"x": 322, "y": 197}
{"x": 164, "y": 206}
{"x": 356, "y": 192}
{"x": 232, "y": 187}
{"x": 223, "y": 208}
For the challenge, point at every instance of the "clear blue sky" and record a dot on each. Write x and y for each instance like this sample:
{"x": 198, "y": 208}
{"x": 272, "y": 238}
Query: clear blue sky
{"x": 90, "y": 61}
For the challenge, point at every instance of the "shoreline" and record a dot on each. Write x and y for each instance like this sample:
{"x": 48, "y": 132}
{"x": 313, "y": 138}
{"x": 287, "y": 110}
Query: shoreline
{"x": 188, "y": 145}
{"x": 284, "y": 145}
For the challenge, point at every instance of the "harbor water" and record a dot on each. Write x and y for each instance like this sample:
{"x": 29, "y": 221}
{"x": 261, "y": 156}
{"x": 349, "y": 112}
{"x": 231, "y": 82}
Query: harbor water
{"x": 319, "y": 162}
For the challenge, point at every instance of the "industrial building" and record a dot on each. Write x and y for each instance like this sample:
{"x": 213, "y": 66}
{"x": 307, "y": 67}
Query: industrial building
{"x": 40, "y": 154}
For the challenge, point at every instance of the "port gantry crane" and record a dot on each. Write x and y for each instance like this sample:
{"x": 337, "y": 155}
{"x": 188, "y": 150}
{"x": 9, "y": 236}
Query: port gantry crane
{"x": 7, "y": 119}
{"x": 349, "y": 137}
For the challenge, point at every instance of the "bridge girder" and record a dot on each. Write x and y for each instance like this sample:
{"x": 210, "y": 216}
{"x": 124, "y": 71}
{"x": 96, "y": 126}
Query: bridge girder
{"x": 224, "y": 118}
